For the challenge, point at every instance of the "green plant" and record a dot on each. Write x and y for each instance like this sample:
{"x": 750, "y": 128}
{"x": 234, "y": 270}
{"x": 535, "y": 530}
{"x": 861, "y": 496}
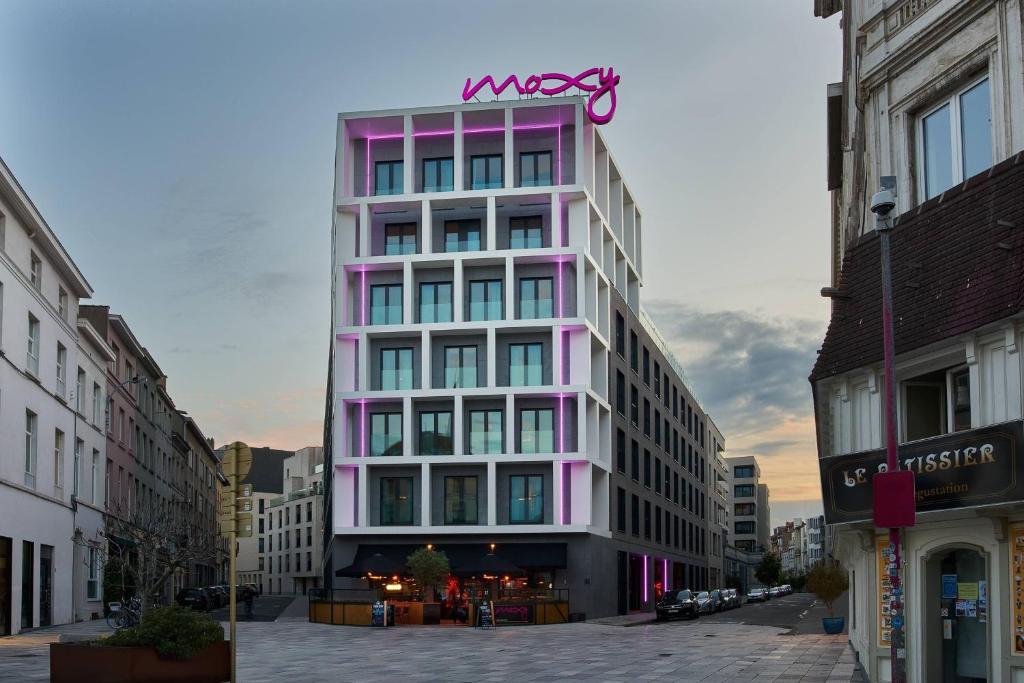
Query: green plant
{"x": 828, "y": 581}
{"x": 429, "y": 568}
{"x": 175, "y": 632}
{"x": 769, "y": 570}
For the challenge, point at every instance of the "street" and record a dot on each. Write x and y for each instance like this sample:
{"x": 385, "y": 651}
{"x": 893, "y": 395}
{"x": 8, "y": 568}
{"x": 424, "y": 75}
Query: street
{"x": 776, "y": 641}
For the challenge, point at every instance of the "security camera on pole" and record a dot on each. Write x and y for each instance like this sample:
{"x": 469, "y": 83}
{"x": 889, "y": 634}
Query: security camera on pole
{"x": 236, "y": 519}
{"x": 893, "y": 489}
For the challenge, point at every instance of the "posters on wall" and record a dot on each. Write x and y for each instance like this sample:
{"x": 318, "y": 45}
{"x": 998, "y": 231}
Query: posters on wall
{"x": 884, "y": 559}
{"x": 1017, "y": 586}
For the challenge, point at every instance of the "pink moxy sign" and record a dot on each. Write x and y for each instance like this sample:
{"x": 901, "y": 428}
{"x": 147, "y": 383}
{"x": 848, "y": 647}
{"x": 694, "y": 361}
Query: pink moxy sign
{"x": 597, "y": 81}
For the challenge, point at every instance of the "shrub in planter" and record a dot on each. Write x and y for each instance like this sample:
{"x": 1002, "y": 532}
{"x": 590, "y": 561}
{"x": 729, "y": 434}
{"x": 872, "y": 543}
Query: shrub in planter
{"x": 175, "y": 632}
{"x": 828, "y": 581}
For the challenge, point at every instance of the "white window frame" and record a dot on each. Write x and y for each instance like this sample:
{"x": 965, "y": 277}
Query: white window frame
{"x": 92, "y": 582}
{"x": 35, "y": 271}
{"x": 58, "y": 459}
{"x": 76, "y": 481}
{"x": 62, "y": 303}
{"x": 62, "y": 370}
{"x": 955, "y": 132}
{"x": 32, "y": 351}
{"x": 95, "y": 476}
{"x": 31, "y": 447}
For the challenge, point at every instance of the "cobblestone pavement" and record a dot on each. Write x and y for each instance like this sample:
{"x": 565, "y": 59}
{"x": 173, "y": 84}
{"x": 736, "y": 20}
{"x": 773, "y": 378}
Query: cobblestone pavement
{"x": 678, "y": 651}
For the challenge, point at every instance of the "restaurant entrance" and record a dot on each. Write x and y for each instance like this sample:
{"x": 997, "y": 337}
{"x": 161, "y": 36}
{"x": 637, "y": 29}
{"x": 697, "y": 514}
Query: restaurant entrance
{"x": 956, "y": 609}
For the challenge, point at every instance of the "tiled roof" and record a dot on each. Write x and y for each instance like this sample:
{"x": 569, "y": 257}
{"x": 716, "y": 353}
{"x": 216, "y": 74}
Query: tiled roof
{"x": 958, "y": 264}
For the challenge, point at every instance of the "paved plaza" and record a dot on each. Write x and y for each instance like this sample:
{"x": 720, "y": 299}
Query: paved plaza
{"x": 722, "y": 648}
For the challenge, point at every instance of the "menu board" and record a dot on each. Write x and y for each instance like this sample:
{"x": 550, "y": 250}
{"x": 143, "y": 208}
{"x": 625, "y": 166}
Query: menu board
{"x": 377, "y": 614}
{"x": 486, "y": 612}
{"x": 883, "y": 558}
{"x": 1017, "y": 586}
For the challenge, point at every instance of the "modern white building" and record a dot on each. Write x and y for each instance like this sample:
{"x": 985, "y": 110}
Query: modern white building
{"x": 748, "y": 505}
{"x": 48, "y": 425}
{"x": 293, "y": 546}
{"x": 479, "y": 253}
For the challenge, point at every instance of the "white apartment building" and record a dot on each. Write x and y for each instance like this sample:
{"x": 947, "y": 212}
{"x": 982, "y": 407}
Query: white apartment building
{"x": 51, "y": 425}
{"x": 293, "y": 542}
{"x": 479, "y": 251}
{"x": 748, "y": 505}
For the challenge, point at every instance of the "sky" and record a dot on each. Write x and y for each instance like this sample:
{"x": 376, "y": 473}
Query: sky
{"x": 183, "y": 152}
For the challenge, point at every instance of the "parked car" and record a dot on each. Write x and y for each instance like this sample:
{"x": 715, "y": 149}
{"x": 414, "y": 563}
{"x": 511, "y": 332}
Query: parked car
{"x": 730, "y": 599}
{"x": 709, "y": 602}
{"x": 196, "y": 598}
{"x": 757, "y": 595}
{"x": 675, "y": 604}
{"x": 786, "y": 589}
{"x": 774, "y": 592}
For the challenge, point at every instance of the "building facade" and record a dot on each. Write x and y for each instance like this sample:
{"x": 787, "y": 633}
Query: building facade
{"x": 40, "y": 428}
{"x": 487, "y": 273}
{"x": 749, "y": 509}
{"x": 932, "y": 96}
{"x": 294, "y": 553}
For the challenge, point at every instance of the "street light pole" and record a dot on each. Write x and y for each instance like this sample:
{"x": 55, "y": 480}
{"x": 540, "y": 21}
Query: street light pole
{"x": 882, "y": 205}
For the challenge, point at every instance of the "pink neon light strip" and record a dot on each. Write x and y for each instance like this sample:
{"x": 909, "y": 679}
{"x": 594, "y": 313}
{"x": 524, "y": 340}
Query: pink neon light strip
{"x": 664, "y": 573}
{"x": 362, "y": 433}
{"x": 646, "y": 594}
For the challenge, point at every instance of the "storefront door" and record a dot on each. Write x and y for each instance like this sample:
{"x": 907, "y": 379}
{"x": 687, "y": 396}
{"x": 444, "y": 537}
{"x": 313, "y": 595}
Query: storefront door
{"x": 46, "y": 586}
{"x": 5, "y": 586}
{"x": 958, "y": 615}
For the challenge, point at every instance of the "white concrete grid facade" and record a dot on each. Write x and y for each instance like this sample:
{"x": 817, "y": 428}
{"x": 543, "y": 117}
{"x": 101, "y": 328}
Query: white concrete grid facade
{"x": 748, "y": 505}
{"x": 292, "y": 544}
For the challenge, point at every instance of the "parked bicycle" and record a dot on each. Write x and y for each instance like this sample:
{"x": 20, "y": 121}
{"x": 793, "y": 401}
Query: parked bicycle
{"x": 125, "y": 615}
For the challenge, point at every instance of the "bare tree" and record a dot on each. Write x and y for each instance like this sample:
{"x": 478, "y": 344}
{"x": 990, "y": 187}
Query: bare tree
{"x": 156, "y": 541}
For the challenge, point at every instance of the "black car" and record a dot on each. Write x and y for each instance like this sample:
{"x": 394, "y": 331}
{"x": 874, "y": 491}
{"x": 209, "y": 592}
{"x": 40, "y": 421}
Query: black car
{"x": 675, "y": 604}
{"x": 709, "y": 602}
{"x": 730, "y": 599}
{"x": 196, "y": 598}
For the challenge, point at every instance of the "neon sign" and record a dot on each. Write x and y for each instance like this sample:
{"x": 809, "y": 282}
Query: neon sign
{"x": 606, "y": 82}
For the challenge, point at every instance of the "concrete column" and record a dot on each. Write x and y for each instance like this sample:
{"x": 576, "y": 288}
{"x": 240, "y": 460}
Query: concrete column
{"x": 459, "y": 161}
{"x": 492, "y": 358}
{"x": 426, "y": 228}
{"x": 458, "y": 293}
{"x": 510, "y": 290}
{"x": 458, "y": 447}
{"x": 408, "y": 420}
{"x": 492, "y": 493}
{"x": 364, "y": 231}
{"x": 408, "y": 156}
{"x": 425, "y": 494}
{"x": 510, "y": 423}
{"x": 363, "y": 516}
{"x": 491, "y": 239}
{"x": 364, "y": 363}
{"x": 426, "y": 360}
{"x": 408, "y": 307}
{"x": 556, "y": 221}
{"x": 510, "y": 175}
{"x": 556, "y": 488}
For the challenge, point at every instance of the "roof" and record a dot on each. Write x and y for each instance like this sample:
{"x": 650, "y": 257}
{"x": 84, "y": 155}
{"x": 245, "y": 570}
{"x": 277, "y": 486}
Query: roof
{"x": 958, "y": 264}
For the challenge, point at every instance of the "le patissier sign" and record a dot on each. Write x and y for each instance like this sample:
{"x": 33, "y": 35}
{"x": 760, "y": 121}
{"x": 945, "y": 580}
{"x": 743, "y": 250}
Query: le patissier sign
{"x": 596, "y": 81}
{"x": 979, "y": 467}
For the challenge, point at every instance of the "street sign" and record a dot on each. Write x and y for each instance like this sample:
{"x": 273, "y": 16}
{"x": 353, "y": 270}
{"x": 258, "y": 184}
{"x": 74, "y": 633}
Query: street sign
{"x": 237, "y": 461}
{"x": 236, "y": 521}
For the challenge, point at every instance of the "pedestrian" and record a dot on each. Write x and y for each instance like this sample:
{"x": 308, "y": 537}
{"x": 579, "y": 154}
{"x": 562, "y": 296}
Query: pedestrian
{"x": 248, "y": 603}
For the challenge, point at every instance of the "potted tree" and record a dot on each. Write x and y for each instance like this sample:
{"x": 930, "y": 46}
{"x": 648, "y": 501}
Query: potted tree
{"x": 170, "y": 644}
{"x": 828, "y": 581}
{"x": 429, "y": 568}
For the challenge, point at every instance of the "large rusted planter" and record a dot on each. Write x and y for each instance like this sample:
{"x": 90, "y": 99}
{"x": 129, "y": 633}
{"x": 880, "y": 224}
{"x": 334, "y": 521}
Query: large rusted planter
{"x": 81, "y": 663}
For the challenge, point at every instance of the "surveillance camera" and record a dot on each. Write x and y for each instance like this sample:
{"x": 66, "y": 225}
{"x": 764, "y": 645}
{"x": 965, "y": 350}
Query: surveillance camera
{"x": 883, "y": 202}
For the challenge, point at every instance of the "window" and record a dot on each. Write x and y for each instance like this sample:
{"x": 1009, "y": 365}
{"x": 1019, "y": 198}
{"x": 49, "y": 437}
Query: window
{"x": 36, "y": 271}
{"x": 460, "y": 500}
{"x": 620, "y": 450}
{"x": 634, "y": 509}
{"x": 620, "y": 393}
{"x": 435, "y": 302}
{"x": 462, "y": 236}
{"x": 97, "y": 403}
{"x": 485, "y": 431}
{"x": 396, "y": 367}
{"x": 634, "y": 405}
{"x": 485, "y": 300}
{"x": 535, "y": 298}
{"x": 647, "y": 367}
{"x": 956, "y": 139}
{"x": 526, "y": 364}
{"x": 436, "y": 433}
{"x": 62, "y": 372}
{"x": 76, "y": 478}
{"x": 743, "y": 491}
{"x": 32, "y": 357}
{"x": 385, "y": 434}
{"x": 486, "y": 171}
{"x": 657, "y": 379}
{"x": 396, "y": 501}
{"x": 399, "y": 238}
{"x": 537, "y": 432}
{"x": 647, "y": 519}
{"x": 526, "y": 499}
{"x": 936, "y": 403}
{"x": 647, "y": 418}
{"x": 526, "y": 233}
{"x": 80, "y": 392}
{"x": 58, "y": 459}
{"x": 62, "y": 303}
{"x": 386, "y": 305}
{"x": 747, "y": 527}
{"x": 744, "y": 509}
{"x": 31, "y": 445}
{"x": 657, "y": 524}
{"x": 634, "y": 351}
{"x": 534, "y": 169}
{"x": 620, "y": 335}
{"x": 460, "y": 367}
{"x": 743, "y": 472}
{"x": 92, "y": 583}
{"x": 620, "y": 509}
{"x": 657, "y": 475}
{"x": 647, "y": 468}
{"x": 388, "y": 177}
{"x": 439, "y": 174}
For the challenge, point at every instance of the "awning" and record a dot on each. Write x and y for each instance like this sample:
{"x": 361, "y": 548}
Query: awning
{"x": 376, "y": 564}
{"x": 468, "y": 557}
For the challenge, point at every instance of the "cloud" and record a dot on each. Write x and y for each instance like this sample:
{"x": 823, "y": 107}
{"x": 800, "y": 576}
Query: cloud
{"x": 750, "y": 373}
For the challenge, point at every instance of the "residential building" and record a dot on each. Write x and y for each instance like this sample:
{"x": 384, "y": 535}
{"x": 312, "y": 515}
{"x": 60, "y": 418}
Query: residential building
{"x": 931, "y": 96}
{"x": 204, "y": 482}
{"x": 294, "y": 553}
{"x": 818, "y": 540}
{"x": 748, "y": 505}
{"x": 266, "y": 479}
{"x": 494, "y": 383}
{"x": 40, "y": 429}
{"x": 789, "y": 543}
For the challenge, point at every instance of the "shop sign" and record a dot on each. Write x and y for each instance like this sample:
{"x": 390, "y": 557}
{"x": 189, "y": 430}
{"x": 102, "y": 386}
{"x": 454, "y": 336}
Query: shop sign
{"x": 979, "y": 467}
{"x": 555, "y": 84}
{"x": 1017, "y": 587}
